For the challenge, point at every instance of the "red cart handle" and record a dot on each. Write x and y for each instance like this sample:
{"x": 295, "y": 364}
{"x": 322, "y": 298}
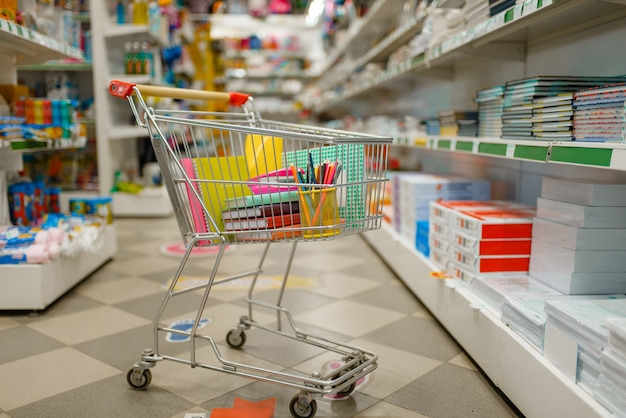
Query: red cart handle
{"x": 123, "y": 89}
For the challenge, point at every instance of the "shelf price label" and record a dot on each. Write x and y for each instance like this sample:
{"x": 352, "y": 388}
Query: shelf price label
{"x": 510, "y": 150}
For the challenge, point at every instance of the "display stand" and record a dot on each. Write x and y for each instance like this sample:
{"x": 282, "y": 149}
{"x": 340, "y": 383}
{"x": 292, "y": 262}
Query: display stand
{"x": 36, "y": 286}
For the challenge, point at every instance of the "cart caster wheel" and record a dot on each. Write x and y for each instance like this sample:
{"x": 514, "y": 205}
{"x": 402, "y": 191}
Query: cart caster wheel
{"x": 236, "y": 338}
{"x": 347, "y": 391}
{"x": 139, "y": 382}
{"x": 300, "y": 411}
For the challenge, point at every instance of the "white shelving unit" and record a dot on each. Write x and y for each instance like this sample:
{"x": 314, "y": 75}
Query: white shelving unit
{"x": 275, "y": 87}
{"x": 538, "y": 37}
{"x": 530, "y": 381}
{"x": 35, "y": 286}
{"x": 117, "y": 131}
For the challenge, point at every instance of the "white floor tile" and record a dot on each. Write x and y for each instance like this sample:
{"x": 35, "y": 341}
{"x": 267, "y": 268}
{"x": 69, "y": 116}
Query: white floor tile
{"x": 87, "y": 325}
{"x": 120, "y": 290}
{"x": 388, "y": 410}
{"x": 6, "y": 323}
{"x": 342, "y": 285}
{"x": 350, "y": 318}
{"x": 199, "y": 385}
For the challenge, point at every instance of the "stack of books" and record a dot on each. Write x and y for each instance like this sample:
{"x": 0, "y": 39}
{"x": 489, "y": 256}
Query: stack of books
{"x": 498, "y": 6}
{"x": 552, "y": 117}
{"x": 262, "y": 217}
{"x": 579, "y": 237}
{"x": 474, "y": 238}
{"x": 458, "y": 123}
{"x": 520, "y": 97}
{"x": 599, "y": 114}
{"x": 490, "y": 102}
{"x": 583, "y": 321}
{"x": 433, "y": 127}
{"x": 610, "y": 390}
{"x": 476, "y": 12}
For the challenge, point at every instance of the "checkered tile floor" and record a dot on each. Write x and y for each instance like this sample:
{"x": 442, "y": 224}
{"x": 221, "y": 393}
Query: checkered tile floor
{"x": 71, "y": 360}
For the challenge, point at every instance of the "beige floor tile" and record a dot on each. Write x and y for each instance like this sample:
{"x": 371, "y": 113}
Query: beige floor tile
{"x": 29, "y": 379}
{"x": 120, "y": 290}
{"x": 388, "y": 410}
{"x": 396, "y": 369}
{"x": 199, "y": 385}
{"x": 350, "y": 318}
{"x": 342, "y": 285}
{"x": 463, "y": 361}
{"x": 191, "y": 413}
{"x": 424, "y": 314}
{"x": 87, "y": 325}
{"x": 233, "y": 263}
{"x": 144, "y": 265}
{"x": 328, "y": 262}
{"x": 6, "y": 323}
{"x": 222, "y": 318}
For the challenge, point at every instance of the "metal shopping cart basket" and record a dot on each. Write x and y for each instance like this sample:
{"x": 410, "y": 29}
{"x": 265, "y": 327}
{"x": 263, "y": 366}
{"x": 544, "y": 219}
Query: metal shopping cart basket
{"x": 234, "y": 178}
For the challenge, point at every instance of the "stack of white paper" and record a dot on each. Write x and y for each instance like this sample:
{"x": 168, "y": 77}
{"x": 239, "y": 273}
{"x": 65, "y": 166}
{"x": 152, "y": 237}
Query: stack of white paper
{"x": 611, "y": 384}
{"x": 585, "y": 321}
{"x": 579, "y": 237}
{"x": 493, "y": 290}
{"x": 525, "y": 313}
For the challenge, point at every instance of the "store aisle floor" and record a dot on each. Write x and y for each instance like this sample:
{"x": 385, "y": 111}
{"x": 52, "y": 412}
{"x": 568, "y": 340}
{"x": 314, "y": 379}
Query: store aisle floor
{"x": 71, "y": 359}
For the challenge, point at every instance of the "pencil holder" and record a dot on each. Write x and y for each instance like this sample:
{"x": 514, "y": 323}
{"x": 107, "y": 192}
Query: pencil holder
{"x": 319, "y": 216}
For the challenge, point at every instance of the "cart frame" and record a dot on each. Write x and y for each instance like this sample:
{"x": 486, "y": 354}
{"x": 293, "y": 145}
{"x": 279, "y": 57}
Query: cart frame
{"x": 179, "y": 136}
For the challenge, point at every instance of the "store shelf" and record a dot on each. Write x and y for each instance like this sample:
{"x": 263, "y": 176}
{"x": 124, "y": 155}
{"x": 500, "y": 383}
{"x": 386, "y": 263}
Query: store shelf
{"x": 591, "y": 154}
{"x": 529, "y": 380}
{"x": 36, "y": 286}
{"x": 364, "y": 31}
{"x": 504, "y": 35}
{"x": 30, "y": 47}
{"x": 127, "y": 30}
{"x": 127, "y": 132}
{"x": 58, "y": 66}
{"x": 151, "y": 202}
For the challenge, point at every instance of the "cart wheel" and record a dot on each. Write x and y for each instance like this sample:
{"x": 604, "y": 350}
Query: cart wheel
{"x": 299, "y": 411}
{"x": 236, "y": 338}
{"x": 141, "y": 382}
{"x": 347, "y": 391}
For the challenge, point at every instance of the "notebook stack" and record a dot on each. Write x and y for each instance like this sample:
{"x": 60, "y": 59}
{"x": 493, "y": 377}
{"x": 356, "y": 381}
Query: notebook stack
{"x": 520, "y": 97}
{"x": 584, "y": 321}
{"x": 433, "y": 127}
{"x": 476, "y": 12}
{"x": 490, "y": 102}
{"x": 473, "y": 238}
{"x": 610, "y": 390}
{"x": 456, "y": 123}
{"x": 579, "y": 237}
{"x": 413, "y": 193}
{"x": 599, "y": 114}
{"x": 552, "y": 118}
{"x": 498, "y": 6}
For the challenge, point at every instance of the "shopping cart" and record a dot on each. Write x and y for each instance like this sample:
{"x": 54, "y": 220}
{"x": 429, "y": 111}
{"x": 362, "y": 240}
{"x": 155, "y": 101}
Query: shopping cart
{"x": 234, "y": 178}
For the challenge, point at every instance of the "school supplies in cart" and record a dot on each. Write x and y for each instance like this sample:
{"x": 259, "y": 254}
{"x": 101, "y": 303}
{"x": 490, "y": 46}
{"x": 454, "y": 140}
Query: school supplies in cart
{"x": 235, "y": 178}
